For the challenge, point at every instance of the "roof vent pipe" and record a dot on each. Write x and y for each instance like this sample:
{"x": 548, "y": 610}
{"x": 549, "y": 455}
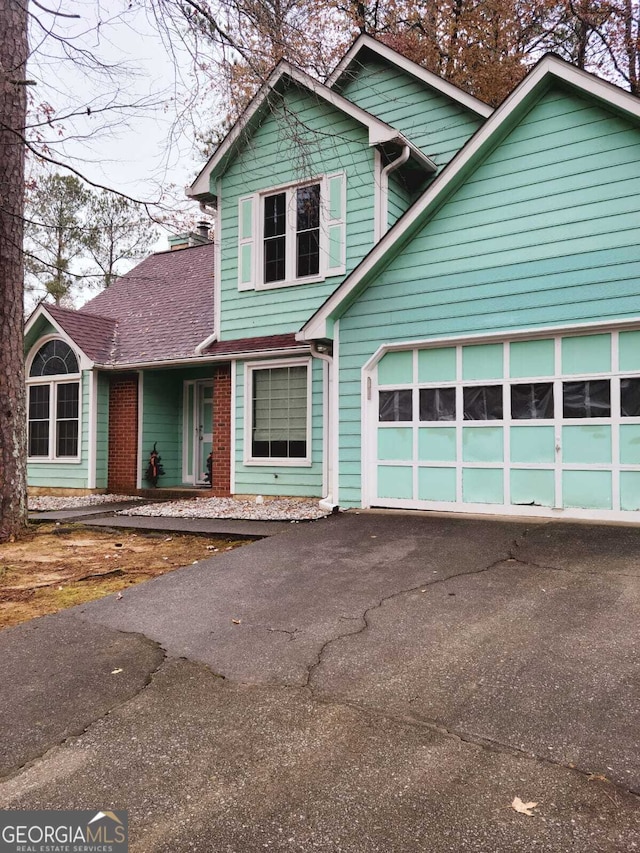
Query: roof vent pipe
{"x": 203, "y": 229}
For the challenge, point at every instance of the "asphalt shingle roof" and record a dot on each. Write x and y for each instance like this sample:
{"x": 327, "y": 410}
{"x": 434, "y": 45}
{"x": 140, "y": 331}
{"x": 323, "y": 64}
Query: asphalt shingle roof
{"x": 162, "y": 309}
{"x": 264, "y": 344}
{"x": 94, "y": 335}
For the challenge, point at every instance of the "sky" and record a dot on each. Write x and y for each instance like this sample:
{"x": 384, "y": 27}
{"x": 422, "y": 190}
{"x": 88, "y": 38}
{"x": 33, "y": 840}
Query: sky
{"x": 139, "y": 151}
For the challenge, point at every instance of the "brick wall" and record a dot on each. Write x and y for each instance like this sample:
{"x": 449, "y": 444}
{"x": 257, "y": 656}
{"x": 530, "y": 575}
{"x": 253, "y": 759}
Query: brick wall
{"x": 221, "y": 474}
{"x": 123, "y": 433}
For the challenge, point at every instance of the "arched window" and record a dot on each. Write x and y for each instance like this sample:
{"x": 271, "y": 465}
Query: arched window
{"x": 54, "y": 359}
{"x": 54, "y": 403}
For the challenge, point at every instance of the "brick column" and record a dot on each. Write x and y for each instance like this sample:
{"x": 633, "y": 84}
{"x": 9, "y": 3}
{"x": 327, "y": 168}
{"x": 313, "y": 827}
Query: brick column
{"x": 123, "y": 433}
{"x": 221, "y": 474}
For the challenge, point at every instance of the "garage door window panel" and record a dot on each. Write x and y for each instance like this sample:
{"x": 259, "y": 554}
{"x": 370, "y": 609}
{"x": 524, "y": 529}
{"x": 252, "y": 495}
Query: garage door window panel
{"x": 533, "y": 401}
{"x": 395, "y": 406}
{"x": 483, "y": 403}
{"x": 437, "y": 404}
{"x": 630, "y": 397}
{"x": 587, "y": 399}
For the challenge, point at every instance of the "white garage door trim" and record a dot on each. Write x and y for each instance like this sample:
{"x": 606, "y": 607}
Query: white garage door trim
{"x": 371, "y": 425}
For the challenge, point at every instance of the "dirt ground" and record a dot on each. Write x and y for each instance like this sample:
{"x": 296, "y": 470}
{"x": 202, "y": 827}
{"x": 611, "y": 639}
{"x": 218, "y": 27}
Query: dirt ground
{"x": 60, "y": 566}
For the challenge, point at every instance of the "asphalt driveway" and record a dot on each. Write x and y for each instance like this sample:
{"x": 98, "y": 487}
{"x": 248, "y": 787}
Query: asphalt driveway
{"x": 372, "y": 682}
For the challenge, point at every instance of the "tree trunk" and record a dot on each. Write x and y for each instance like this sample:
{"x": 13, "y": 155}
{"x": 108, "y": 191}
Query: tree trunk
{"x": 13, "y": 479}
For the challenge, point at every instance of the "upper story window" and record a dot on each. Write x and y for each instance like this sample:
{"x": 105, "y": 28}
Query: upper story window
{"x": 291, "y": 235}
{"x": 54, "y": 403}
{"x": 291, "y": 246}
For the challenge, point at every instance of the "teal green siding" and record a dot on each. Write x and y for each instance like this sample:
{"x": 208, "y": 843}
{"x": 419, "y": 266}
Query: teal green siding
{"x": 327, "y": 141}
{"x": 40, "y": 329}
{"x": 67, "y": 475}
{"x": 162, "y": 418}
{"x": 433, "y": 122}
{"x": 543, "y": 232}
{"x": 102, "y": 431}
{"x": 399, "y": 199}
{"x": 303, "y": 481}
{"x": 162, "y": 423}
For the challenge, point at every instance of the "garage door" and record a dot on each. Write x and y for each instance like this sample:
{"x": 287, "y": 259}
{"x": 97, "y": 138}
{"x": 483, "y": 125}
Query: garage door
{"x": 522, "y": 427}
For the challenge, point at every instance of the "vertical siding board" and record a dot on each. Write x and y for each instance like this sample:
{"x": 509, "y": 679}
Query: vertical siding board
{"x": 536, "y": 236}
{"x": 102, "y": 431}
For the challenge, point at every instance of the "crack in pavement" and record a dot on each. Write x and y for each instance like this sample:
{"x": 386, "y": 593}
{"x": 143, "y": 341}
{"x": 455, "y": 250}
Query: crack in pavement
{"x": 569, "y": 571}
{"x": 460, "y": 736}
{"x": 77, "y": 733}
{"x": 428, "y": 583}
{"x": 292, "y": 633}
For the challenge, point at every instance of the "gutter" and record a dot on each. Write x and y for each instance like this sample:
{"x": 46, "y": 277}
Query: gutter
{"x": 208, "y": 359}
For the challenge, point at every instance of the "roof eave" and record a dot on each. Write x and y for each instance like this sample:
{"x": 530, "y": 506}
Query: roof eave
{"x": 548, "y": 70}
{"x": 379, "y": 131}
{"x": 433, "y": 80}
{"x": 41, "y": 310}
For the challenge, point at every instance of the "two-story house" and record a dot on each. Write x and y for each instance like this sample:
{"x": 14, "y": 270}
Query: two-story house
{"x": 412, "y": 301}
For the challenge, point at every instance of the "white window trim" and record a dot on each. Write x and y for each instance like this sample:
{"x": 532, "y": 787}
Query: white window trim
{"x": 53, "y": 382}
{"x": 273, "y": 461}
{"x": 290, "y": 242}
{"x": 290, "y": 235}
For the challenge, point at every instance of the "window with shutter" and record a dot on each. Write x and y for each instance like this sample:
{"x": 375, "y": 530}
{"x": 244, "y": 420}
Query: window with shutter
{"x": 293, "y": 234}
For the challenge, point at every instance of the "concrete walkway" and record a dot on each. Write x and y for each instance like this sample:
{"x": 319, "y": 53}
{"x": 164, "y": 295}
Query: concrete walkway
{"x": 361, "y": 683}
{"x": 104, "y": 515}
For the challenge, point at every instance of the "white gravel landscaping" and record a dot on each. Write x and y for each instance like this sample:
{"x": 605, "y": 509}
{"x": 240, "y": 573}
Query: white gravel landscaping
{"x": 278, "y": 509}
{"x": 49, "y": 503}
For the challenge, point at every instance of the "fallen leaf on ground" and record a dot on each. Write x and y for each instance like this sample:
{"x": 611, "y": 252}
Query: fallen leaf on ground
{"x": 236, "y": 621}
{"x": 523, "y": 808}
{"x": 116, "y": 671}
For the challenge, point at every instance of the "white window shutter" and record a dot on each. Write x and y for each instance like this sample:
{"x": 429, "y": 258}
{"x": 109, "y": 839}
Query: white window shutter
{"x": 247, "y": 242}
{"x": 335, "y": 223}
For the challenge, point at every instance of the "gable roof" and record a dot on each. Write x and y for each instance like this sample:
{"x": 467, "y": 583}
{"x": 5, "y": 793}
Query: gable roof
{"x": 548, "y": 70}
{"x": 379, "y": 131}
{"x": 366, "y": 44}
{"x": 163, "y": 308}
{"x": 95, "y": 335}
{"x": 158, "y": 311}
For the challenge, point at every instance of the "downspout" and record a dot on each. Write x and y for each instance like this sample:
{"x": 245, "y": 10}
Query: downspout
{"x": 384, "y": 188}
{"x": 327, "y": 502}
{"x": 213, "y": 337}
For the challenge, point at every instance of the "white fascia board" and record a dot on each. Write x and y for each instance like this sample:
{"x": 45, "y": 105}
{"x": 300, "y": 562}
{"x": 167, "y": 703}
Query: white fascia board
{"x": 549, "y": 68}
{"x": 379, "y": 131}
{"x": 199, "y": 361}
{"x": 41, "y": 311}
{"x": 428, "y": 77}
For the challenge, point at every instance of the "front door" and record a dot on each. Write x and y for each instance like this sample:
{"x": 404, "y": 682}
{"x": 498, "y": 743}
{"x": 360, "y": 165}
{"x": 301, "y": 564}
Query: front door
{"x": 203, "y": 429}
